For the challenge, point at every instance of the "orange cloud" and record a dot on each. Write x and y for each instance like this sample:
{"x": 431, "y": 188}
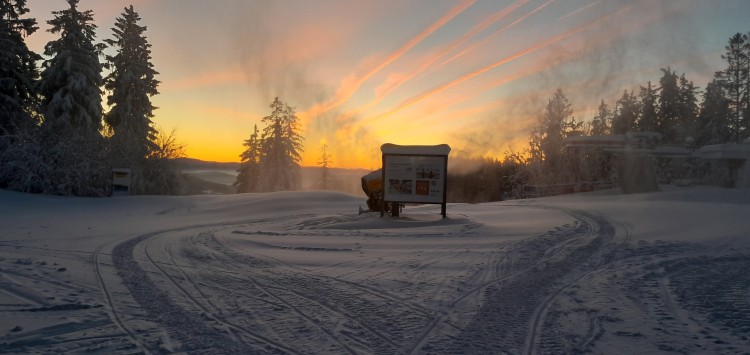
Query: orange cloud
{"x": 352, "y": 84}
{"x": 498, "y": 32}
{"x": 396, "y": 80}
{"x": 552, "y": 40}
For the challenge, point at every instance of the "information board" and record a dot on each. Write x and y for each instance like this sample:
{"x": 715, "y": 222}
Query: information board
{"x": 414, "y": 178}
{"x": 415, "y": 174}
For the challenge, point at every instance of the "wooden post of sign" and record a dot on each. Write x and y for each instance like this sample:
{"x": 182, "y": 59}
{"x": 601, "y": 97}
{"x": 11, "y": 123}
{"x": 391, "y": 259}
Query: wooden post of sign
{"x": 382, "y": 190}
{"x": 445, "y": 189}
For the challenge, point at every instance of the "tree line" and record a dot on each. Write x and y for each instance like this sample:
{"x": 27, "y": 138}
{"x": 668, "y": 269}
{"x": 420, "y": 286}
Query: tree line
{"x": 672, "y": 107}
{"x": 55, "y": 136}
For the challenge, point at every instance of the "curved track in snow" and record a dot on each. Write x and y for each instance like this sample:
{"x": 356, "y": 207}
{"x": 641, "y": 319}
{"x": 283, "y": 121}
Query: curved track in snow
{"x": 240, "y": 288}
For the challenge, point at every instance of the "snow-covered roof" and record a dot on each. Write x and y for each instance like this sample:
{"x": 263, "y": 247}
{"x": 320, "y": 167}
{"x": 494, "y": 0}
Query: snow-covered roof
{"x": 440, "y": 149}
{"x": 725, "y": 151}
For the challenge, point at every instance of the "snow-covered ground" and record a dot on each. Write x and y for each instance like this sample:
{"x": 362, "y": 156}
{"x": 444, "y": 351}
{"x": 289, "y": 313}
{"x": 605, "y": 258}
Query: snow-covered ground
{"x": 303, "y": 273}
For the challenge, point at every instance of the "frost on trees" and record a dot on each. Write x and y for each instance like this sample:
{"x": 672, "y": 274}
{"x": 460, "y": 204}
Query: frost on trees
{"x": 18, "y": 71}
{"x": 71, "y": 92}
{"x": 249, "y": 170}
{"x": 131, "y": 84}
{"x": 281, "y": 148}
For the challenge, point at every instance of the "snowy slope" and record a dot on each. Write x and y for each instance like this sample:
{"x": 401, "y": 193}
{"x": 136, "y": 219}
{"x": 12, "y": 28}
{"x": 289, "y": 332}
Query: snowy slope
{"x": 304, "y": 273}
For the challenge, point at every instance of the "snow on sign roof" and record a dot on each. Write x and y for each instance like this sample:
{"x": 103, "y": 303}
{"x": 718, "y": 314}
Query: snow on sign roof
{"x": 440, "y": 149}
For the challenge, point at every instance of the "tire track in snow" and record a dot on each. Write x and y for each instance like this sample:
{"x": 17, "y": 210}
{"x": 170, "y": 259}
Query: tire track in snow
{"x": 185, "y": 327}
{"x": 573, "y": 235}
{"x": 207, "y": 312}
{"x": 277, "y": 278}
{"x": 606, "y": 230}
{"x": 113, "y": 313}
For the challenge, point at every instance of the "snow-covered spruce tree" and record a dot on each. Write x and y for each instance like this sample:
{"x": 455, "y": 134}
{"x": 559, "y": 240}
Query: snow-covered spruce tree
{"x": 130, "y": 84}
{"x": 70, "y": 89}
{"x": 548, "y": 151}
{"x": 601, "y": 124}
{"x": 649, "y": 119}
{"x": 18, "y": 98}
{"x": 713, "y": 121}
{"x": 735, "y": 80}
{"x": 249, "y": 170}
{"x": 18, "y": 71}
{"x": 324, "y": 163}
{"x": 280, "y": 150}
{"x": 669, "y": 106}
{"x": 626, "y": 113}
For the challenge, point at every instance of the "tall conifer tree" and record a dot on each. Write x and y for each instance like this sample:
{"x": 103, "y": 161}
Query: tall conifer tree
{"x": 669, "y": 106}
{"x": 130, "y": 84}
{"x": 73, "y": 147}
{"x": 249, "y": 170}
{"x": 627, "y": 112}
{"x": 713, "y": 120}
{"x": 71, "y": 79}
{"x": 18, "y": 71}
{"x": 735, "y": 81}
{"x": 281, "y": 150}
{"x": 648, "y": 120}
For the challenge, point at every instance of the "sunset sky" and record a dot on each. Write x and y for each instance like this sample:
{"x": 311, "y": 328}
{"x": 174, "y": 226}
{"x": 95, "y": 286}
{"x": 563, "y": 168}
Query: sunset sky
{"x": 473, "y": 74}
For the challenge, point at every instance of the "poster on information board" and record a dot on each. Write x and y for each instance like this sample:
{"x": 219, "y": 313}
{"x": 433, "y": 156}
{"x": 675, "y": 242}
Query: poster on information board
{"x": 415, "y": 174}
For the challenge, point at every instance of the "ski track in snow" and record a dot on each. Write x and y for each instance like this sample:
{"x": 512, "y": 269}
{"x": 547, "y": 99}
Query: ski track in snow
{"x": 267, "y": 285}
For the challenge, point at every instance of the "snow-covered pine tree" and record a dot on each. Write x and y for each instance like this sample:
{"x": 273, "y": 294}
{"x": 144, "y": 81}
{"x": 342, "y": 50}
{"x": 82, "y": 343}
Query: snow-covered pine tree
{"x": 18, "y": 70}
{"x": 249, "y": 170}
{"x": 72, "y": 77}
{"x": 18, "y": 98}
{"x": 669, "y": 106}
{"x": 324, "y": 163}
{"x": 735, "y": 80}
{"x": 688, "y": 115}
{"x": 130, "y": 84}
{"x": 601, "y": 124}
{"x": 649, "y": 119}
{"x": 713, "y": 120}
{"x": 281, "y": 150}
{"x": 70, "y": 89}
{"x": 547, "y": 141}
{"x": 627, "y": 112}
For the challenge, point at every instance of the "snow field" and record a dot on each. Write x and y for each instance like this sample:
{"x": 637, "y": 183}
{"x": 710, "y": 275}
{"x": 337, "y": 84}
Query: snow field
{"x": 302, "y": 273}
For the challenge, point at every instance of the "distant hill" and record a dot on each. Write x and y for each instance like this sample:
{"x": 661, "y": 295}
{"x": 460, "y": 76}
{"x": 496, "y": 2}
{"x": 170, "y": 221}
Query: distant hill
{"x": 346, "y": 180}
{"x": 196, "y": 164}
